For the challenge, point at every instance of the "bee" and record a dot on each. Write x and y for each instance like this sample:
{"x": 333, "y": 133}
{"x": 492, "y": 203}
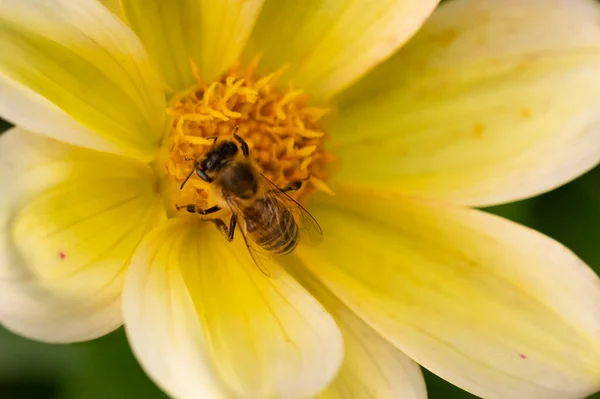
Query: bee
{"x": 270, "y": 220}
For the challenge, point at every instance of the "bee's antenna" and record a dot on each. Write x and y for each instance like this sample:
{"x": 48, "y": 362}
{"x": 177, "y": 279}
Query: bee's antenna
{"x": 188, "y": 177}
{"x": 240, "y": 140}
{"x": 191, "y": 171}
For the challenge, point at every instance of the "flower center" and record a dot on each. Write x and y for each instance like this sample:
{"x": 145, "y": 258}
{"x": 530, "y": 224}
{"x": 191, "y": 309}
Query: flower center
{"x": 280, "y": 127}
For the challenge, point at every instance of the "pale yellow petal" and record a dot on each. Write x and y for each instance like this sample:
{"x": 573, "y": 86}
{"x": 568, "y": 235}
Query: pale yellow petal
{"x": 328, "y": 44}
{"x": 222, "y": 33}
{"x": 29, "y": 110}
{"x": 82, "y": 58}
{"x": 372, "y": 367}
{"x": 165, "y": 28}
{"x": 114, "y": 6}
{"x": 493, "y": 307}
{"x": 492, "y": 101}
{"x": 204, "y": 322}
{"x": 70, "y": 218}
{"x": 208, "y": 34}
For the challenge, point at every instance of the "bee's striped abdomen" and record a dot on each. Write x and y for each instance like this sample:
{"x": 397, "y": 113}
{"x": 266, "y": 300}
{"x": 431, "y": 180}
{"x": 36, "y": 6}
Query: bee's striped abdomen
{"x": 277, "y": 231}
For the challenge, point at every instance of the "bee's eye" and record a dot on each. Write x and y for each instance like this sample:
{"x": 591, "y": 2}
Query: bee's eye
{"x": 230, "y": 149}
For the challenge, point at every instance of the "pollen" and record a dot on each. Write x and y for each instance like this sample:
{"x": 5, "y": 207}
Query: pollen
{"x": 281, "y": 128}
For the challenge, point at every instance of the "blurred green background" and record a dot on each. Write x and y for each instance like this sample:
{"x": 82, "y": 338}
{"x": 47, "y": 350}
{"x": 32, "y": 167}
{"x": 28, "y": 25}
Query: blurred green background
{"x": 105, "y": 368}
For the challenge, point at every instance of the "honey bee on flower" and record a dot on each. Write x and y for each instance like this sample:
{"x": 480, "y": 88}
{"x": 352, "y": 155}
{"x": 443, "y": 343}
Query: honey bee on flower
{"x": 142, "y": 126}
{"x": 269, "y": 215}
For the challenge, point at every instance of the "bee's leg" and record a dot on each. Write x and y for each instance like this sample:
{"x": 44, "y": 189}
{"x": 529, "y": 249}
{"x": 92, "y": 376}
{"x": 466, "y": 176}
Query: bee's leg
{"x": 229, "y": 232}
{"x": 232, "y": 224}
{"x": 221, "y": 226}
{"x": 290, "y": 188}
{"x": 293, "y": 186}
{"x": 208, "y": 211}
{"x": 192, "y": 208}
{"x": 244, "y": 145}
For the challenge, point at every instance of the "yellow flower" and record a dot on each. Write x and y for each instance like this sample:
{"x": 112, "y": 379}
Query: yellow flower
{"x": 491, "y": 101}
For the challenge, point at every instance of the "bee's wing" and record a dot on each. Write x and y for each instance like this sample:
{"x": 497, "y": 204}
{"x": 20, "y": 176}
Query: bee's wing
{"x": 262, "y": 258}
{"x": 310, "y": 229}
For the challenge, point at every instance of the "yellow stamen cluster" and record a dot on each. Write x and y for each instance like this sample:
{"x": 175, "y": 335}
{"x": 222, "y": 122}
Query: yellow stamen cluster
{"x": 280, "y": 127}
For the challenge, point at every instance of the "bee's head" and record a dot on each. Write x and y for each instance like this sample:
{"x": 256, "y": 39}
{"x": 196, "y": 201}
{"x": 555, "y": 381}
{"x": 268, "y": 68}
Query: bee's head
{"x": 228, "y": 149}
{"x": 219, "y": 156}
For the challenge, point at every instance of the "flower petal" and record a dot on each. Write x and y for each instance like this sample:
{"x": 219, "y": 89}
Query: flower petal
{"x": 372, "y": 367}
{"x": 328, "y": 44}
{"x": 165, "y": 27}
{"x": 204, "y": 322}
{"x": 82, "y": 58}
{"x": 211, "y": 33}
{"x": 114, "y": 6}
{"x": 29, "y": 110}
{"x": 70, "y": 218}
{"x": 495, "y": 308}
{"x": 224, "y": 29}
{"x": 492, "y": 101}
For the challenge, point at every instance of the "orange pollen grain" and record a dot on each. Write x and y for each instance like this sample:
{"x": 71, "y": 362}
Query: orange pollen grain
{"x": 280, "y": 126}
